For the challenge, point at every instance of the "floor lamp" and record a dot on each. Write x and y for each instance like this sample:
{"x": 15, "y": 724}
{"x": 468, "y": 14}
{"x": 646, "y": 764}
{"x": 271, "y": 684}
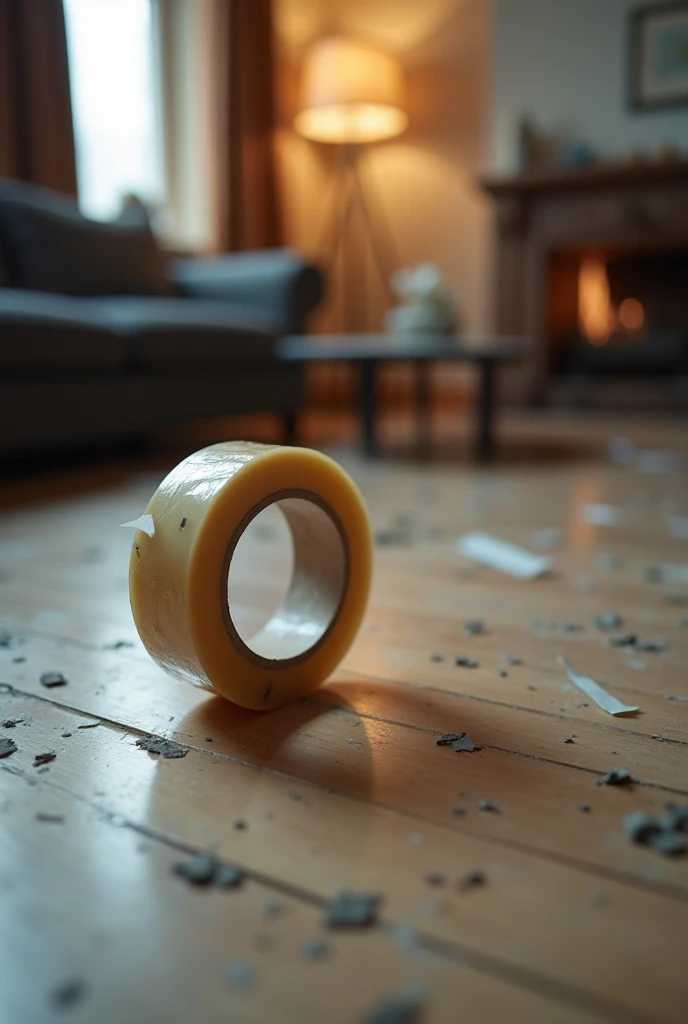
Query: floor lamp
{"x": 352, "y": 95}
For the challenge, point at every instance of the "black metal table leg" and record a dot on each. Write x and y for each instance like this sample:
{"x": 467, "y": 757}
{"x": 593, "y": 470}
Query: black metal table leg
{"x": 485, "y": 410}
{"x": 422, "y": 373}
{"x": 367, "y": 368}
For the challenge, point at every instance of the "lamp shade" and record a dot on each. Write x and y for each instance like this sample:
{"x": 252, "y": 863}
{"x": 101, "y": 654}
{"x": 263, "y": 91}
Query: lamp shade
{"x": 351, "y": 93}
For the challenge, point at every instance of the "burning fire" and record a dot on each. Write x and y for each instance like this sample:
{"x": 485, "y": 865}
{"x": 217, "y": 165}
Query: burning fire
{"x": 597, "y": 317}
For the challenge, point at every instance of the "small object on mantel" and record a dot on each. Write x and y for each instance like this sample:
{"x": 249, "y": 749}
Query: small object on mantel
{"x": 499, "y": 554}
{"x": 157, "y": 745}
{"x": 352, "y": 910}
{"x": 615, "y": 777}
{"x": 592, "y": 689}
{"x": 51, "y": 679}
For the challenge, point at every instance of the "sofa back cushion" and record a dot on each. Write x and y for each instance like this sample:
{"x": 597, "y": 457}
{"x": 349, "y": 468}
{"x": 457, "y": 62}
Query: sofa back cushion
{"x": 47, "y": 245}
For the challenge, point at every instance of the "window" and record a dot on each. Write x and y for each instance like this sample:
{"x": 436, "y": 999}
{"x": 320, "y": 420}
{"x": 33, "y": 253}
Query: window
{"x": 116, "y": 102}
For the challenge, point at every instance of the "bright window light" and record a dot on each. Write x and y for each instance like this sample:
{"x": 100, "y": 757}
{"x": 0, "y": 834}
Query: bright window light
{"x": 115, "y": 99}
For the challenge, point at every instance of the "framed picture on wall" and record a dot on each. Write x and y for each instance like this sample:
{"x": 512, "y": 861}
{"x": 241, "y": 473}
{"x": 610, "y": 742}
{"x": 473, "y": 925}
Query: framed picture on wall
{"x": 659, "y": 56}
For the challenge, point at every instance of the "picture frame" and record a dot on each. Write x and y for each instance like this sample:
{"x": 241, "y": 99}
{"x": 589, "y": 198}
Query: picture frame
{"x": 658, "y": 56}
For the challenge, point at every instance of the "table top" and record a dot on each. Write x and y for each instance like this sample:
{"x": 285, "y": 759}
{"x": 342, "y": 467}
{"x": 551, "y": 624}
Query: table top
{"x": 363, "y": 347}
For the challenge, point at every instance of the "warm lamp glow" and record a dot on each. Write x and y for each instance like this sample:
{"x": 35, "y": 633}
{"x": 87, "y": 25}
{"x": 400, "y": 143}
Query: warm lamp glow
{"x": 631, "y": 315}
{"x": 351, "y": 93}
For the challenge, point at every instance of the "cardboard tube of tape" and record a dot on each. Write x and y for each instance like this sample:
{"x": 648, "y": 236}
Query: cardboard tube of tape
{"x": 178, "y": 576}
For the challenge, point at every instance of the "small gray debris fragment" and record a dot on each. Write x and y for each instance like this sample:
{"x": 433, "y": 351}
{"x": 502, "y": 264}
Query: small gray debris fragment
{"x": 435, "y": 879}
{"x": 46, "y": 758}
{"x": 352, "y": 910}
{"x": 463, "y": 662}
{"x": 475, "y": 627}
{"x": 228, "y": 876}
{"x": 392, "y": 538}
{"x": 609, "y": 620}
{"x": 273, "y": 909}
{"x": 436, "y": 656}
{"x": 615, "y": 777}
{"x": 598, "y": 900}
{"x": 241, "y": 975}
{"x": 464, "y": 743}
{"x": 66, "y": 735}
{"x": 459, "y": 811}
{"x": 573, "y": 627}
{"x": 673, "y": 696}
{"x": 157, "y": 745}
{"x": 677, "y": 600}
{"x": 183, "y": 523}
{"x": 118, "y": 645}
{"x": 12, "y": 723}
{"x": 18, "y": 660}
{"x": 44, "y": 816}
{"x": 584, "y": 808}
{"x": 447, "y": 738}
{"x": 69, "y": 994}
{"x": 651, "y": 646}
{"x": 676, "y": 816}
{"x": 473, "y": 880}
{"x": 7, "y": 746}
{"x": 568, "y": 739}
{"x": 239, "y": 824}
{"x": 639, "y": 826}
{"x": 404, "y": 1009}
{"x": 512, "y": 659}
{"x": 205, "y": 869}
{"x": 489, "y": 806}
{"x": 654, "y": 574}
{"x": 670, "y": 844}
{"x": 315, "y": 949}
{"x": 626, "y": 640}
{"x": 51, "y": 679}
{"x": 503, "y": 673}
{"x": 89, "y": 725}
{"x": 607, "y": 560}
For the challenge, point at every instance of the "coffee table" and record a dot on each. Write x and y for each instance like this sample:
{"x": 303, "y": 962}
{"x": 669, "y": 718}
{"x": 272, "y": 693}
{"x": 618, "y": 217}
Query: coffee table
{"x": 369, "y": 351}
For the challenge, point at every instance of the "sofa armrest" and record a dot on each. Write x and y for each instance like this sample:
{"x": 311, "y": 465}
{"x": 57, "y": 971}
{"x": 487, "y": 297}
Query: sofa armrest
{"x": 277, "y": 281}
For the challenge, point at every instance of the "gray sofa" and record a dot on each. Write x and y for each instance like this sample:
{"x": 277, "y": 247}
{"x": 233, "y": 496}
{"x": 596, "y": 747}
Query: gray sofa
{"x": 103, "y": 337}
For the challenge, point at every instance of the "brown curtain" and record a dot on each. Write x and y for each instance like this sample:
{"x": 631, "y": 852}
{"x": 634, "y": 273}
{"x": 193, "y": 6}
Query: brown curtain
{"x": 36, "y": 130}
{"x": 243, "y": 82}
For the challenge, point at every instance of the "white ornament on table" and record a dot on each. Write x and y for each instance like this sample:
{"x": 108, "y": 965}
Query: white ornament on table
{"x": 427, "y": 306}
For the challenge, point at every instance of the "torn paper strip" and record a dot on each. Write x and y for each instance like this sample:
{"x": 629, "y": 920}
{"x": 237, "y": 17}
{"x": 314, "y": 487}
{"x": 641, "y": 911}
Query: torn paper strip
{"x": 144, "y": 522}
{"x": 499, "y": 554}
{"x": 595, "y": 691}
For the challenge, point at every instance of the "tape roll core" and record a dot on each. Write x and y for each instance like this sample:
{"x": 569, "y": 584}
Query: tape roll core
{"x": 179, "y": 574}
{"x": 318, "y": 583}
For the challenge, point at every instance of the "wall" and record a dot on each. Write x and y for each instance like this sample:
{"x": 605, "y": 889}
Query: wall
{"x": 565, "y": 61}
{"x": 424, "y": 182}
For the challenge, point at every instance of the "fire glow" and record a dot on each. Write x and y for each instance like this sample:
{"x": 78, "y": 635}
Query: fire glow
{"x": 598, "y": 319}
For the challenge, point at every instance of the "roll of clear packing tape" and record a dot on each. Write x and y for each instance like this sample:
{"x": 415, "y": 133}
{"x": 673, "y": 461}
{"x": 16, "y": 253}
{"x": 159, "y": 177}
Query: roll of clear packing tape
{"x": 178, "y": 576}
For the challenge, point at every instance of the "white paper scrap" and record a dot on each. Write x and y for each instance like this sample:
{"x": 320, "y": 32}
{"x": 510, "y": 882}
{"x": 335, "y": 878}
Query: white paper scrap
{"x": 593, "y": 690}
{"x": 144, "y": 522}
{"x": 501, "y": 555}
{"x": 599, "y": 515}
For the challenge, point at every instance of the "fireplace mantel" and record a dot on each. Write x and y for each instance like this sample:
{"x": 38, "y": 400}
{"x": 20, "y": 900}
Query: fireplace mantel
{"x": 616, "y": 207}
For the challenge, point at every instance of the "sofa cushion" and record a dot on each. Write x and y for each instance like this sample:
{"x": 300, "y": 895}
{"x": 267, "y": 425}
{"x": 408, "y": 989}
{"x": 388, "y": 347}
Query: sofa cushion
{"x": 41, "y": 332}
{"x": 184, "y": 332}
{"x": 47, "y": 245}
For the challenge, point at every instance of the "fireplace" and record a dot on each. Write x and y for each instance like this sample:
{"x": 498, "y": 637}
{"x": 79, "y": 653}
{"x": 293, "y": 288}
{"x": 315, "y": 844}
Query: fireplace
{"x": 618, "y": 313}
{"x": 592, "y": 269}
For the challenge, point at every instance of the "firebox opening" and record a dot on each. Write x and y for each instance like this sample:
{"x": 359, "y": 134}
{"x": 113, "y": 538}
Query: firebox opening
{"x": 618, "y": 312}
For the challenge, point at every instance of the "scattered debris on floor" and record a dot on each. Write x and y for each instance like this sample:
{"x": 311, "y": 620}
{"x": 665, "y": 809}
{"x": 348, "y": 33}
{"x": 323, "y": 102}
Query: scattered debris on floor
{"x": 650, "y": 646}
{"x": 89, "y": 725}
{"x": 599, "y": 515}
{"x": 512, "y": 659}
{"x": 568, "y": 739}
{"x": 403, "y": 1009}
{"x": 488, "y": 805}
{"x": 241, "y": 975}
{"x": 584, "y": 808}
{"x": 675, "y": 599}
{"x": 315, "y": 950}
{"x": 459, "y": 811}
{"x": 352, "y": 910}
{"x": 573, "y": 627}
{"x": 436, "y": 656}
{"x": 458, "y": 741}
{"x": 47, "y": 817}
{"x": 501, "y": 555}
{"x": 475, "y": 627}
{"x": 239, "y": 824}
{"x": 464, "y": 662}
{"x": 157, "y": 745}
{"x": 547, "y": 539}
{"x": 473, "y": 879}
{"x": 69, "y": 994}
{"x": 7, "y": 746}
{"x": 206, "y": 869}
{"x": 607, "y": 560}
{"x": 435, "y": 879}
{"x": 667, "y": 835}
{"x": 273, "y": 909}
{"x": 615, "y": 777}
{"x": 46, "y": 758}
{"x": 392, "y": 538}
{"x": 51, "y": 679}
{"x": 593, "y": 690}
{"x": 609, "y": 620}
{"x": 118, "y": 645}
{"x": 12, "y": 723}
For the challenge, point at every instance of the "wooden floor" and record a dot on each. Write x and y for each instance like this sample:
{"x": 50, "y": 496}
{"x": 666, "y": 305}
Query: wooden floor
{"x": 573, "y": 922}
